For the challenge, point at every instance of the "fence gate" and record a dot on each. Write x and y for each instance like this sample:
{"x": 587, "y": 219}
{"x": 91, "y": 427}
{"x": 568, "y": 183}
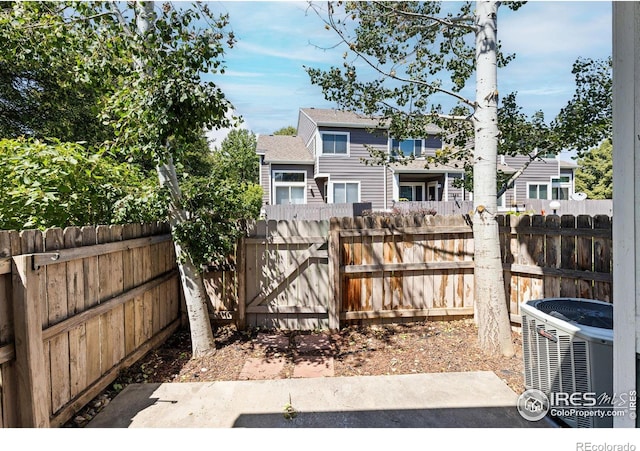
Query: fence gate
{"x": 284, "y": 267}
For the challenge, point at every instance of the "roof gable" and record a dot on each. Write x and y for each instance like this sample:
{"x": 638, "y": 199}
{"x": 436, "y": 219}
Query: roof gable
{"x": 283, "y": 149}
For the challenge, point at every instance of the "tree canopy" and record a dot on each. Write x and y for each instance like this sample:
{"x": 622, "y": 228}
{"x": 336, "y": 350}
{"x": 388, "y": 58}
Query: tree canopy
{"x": 289, "y": 130}
{"x": 58, "y": 184}
{"x": 594, "y": 175}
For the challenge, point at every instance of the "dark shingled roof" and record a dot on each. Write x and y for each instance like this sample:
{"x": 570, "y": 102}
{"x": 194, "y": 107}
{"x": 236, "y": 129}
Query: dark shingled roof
{"x": 340, "y": 118}
{"x": 283, "y": 148}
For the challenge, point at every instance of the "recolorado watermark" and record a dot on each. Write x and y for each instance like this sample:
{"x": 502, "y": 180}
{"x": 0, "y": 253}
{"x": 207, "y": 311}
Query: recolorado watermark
{"x": 589, "y": 446}
{"x": 533, "y": 405}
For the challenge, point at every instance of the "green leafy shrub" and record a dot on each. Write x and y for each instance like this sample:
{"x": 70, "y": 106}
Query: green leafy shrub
{"x": 60, "y": 184}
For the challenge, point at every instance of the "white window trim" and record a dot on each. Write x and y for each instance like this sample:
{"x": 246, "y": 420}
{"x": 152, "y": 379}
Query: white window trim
{"x": 422, "y": 144}
{"x": 320, "y": 153}
{"x": 338, "y": 182}
{"x": 413, "y": 185}
{"x": 437, "y": 186}
{"x": 569, "y": 185}
{"x": 289, "y": 184}
{"x": 548, "y": 185}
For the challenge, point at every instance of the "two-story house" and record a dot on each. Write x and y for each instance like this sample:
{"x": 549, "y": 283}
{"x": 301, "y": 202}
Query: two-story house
{"x": 326, "y": 163}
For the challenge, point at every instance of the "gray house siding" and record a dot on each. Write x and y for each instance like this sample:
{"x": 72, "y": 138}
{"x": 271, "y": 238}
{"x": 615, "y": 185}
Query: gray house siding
{"x": 351, "y": 168}
{"x": 538, "y": 172}
{"x": 306, "y": 130}
{"x": 454, "y": 193}
{"x": 265, "y": 182}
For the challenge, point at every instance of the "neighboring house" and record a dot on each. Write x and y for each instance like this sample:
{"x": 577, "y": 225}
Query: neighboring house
{"x": 325, "y": 163}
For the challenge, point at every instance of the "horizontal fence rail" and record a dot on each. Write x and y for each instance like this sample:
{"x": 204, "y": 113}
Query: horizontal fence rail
{"x": 77, "y": 306}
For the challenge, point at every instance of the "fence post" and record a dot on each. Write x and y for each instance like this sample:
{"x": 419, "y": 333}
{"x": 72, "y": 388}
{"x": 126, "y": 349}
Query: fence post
{"x": 30, "y": 367}
{"x": 335, "y": 301}
{"x": 242, "y": 283}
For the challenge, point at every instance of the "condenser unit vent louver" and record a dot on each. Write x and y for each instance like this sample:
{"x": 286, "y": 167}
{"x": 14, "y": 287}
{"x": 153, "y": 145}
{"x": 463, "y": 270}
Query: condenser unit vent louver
{"x": 568, "y": 348}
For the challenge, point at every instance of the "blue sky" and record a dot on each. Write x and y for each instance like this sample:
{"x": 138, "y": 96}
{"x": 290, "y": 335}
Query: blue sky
{"x": 267, "y": 84}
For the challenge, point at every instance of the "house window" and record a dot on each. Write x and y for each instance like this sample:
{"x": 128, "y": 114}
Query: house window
{"x": 538, "y": 191}
{"x": 345, "y": 192}
{"x": 289, "y": 187}
{"x": 335, "y": 143}
{"x": 561, "y": 187}
{"x": 413, "y": 192}
{"x": 433, "y": 191}
{"x": 407, "y": 147}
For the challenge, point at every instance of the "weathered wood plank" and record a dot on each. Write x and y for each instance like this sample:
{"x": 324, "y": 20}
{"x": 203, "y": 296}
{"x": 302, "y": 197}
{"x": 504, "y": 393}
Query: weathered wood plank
{"x": 335, "y": 278}
{"x": 602, "y": 261}
{"x": 8, "y": 392}
{"x": 464, "y": 311}
{"x": 65, "y": 255}
{"x": 584, "y": 256}
{"x": 105, "y": 291}
{"x": 552, "y": 256}
{"x": 408, "y": 267}
{"x": 76, "y": 300}
{"x": 128, "y": 271}
{"x": 93, "y": 355}
{"x": 568, "y": 286}
{"x": 56, "y": 293}
{"x": 31, "y": 373}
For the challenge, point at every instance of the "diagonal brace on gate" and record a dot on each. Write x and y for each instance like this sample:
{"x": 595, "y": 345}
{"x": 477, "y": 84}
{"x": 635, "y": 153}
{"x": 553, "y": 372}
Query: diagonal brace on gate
{"x": 313, "y": 251}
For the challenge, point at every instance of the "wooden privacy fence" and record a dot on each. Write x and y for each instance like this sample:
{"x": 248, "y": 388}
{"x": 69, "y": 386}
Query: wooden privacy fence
{"x": 321, "y": 274}
{"x": 77, "y": 306}
{"x": 556, "y": 256}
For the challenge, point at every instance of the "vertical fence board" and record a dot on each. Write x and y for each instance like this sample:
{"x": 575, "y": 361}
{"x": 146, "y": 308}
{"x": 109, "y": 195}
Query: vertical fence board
{"x": 91, "y": 298}
{"x": 553, "y": 252}
{"x": 584, "y": 256}
{"x": 447, "y": 274}
{"x": 34, "y": 392}
{"x": 408, "y": 251}
{"x": 138, "y": 279}
{"x": 429, "y": 256}
{"x": 335, "y": 301}
{"x": 378, "y": 282}
{"x": 56, "y": 293}
{"x": 568, "y": 286}
{"x": 439, "y": 255}
{"x": 602, "y": 261}
{"x": 8, "y": 377}
{"x": 105, "y": 291}
{"x": 117, "y": 284}
{"x": 537, "y": 255}
{"x": 128, "y": 282}
{"x": 76, "y": 298}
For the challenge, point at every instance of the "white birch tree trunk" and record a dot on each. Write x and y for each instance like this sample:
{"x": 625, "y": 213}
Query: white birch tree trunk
{"x": 492, "y": 316}
{"x": 202, "y": 341}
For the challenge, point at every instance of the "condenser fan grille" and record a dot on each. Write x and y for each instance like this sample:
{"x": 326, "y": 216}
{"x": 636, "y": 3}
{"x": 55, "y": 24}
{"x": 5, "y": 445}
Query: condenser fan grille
{"x": 583, "y": 313}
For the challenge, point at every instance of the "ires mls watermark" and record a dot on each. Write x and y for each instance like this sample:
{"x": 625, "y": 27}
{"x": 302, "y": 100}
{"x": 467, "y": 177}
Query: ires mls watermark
{"x": 533, "y": 405}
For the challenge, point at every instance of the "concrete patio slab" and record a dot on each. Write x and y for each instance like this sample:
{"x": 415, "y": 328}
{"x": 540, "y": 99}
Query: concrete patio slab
{"x": 437, "y": 400}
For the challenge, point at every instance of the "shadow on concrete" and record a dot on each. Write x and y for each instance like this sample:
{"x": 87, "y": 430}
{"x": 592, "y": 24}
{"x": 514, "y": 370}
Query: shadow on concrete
{"x": 483, "y": 417}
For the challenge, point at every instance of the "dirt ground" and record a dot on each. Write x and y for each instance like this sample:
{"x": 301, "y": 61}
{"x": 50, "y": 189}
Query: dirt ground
{"x": 423, "y": 347}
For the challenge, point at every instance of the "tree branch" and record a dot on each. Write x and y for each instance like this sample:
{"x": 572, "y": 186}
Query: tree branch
{"x": 453, "y": 22}
{"x": 520, "y": 171}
